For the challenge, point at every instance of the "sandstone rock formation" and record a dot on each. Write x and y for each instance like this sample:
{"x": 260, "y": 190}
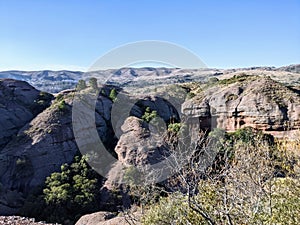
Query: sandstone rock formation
{"x": 261, "y": 103}
{"x": 138, "y": 147}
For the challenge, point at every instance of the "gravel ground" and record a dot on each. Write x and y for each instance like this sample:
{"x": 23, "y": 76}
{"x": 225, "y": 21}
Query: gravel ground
{"x": 17, "y": 220}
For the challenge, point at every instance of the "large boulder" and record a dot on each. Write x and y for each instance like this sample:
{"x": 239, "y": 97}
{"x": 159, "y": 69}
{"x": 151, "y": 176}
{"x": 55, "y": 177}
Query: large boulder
{"x": 138, "y": 147}
{"x": 106, "y": 218}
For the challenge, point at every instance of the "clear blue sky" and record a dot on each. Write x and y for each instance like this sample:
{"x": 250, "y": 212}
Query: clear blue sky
{"x": 60, "y": 34}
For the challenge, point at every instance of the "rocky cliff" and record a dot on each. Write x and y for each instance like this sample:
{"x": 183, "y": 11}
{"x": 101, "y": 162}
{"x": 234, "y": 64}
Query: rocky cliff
{"x": 19, "y": 103}
{"x": 40, "y": 144}
{"x": 36, "y": 135}
{"x": 241, "y": 101}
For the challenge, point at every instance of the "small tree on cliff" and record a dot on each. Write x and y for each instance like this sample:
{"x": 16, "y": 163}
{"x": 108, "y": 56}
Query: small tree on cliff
{"x": 93, "y": 83}
{"x": 81, "y": 85}
{"x": 113, "y": 95}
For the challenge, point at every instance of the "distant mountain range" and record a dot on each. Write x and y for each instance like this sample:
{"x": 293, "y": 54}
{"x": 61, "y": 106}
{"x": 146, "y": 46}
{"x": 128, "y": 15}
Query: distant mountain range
{"x": 56, "y": 81}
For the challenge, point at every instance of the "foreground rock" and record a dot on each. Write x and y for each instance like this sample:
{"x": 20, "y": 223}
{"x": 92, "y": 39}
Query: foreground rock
{"x": 105, "y": 218}
{"x": 17, "y": 220}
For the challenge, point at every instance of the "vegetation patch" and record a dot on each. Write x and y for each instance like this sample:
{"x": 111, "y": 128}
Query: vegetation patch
{"x": 67, "y": 194}
{"x": 149, "y": 115}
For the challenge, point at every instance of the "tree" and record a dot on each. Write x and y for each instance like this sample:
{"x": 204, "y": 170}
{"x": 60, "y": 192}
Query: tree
{"x": 81, "y": 85}
{"x": 113, "y": 95}
{"x": 239, "y": 187}
{"x": 75, "y": 184}
{"x": 93, "y": 83}
{"x": 67, "y": 194}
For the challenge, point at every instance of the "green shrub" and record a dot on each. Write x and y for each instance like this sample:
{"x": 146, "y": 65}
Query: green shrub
{"x": 132, "y": 176}
{"x": 174, "y": 127}
{"x": 41, "y": 102}
{"x": 190, "y": 95}
{"x": 62, "y": 105}
{"x": 213, "y": 80}
{"x": 59, "y": 97}
{"x": 172, "y": 210}
{"x": 113, "y": 95}
{"x": 149, "y": 115}
{"x": 67, "y": 194}
{"x": 285, "y": 201}
{"x": 236, "y": 78}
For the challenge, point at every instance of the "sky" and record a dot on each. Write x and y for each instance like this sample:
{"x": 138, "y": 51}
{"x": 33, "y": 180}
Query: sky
{"x": 72, "y": 35}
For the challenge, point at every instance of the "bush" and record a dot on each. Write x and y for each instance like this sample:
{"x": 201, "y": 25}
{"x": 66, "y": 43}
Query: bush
{"x": 285, "y": 203}
{"x": 172, "y": 210}
{"x": 213, "y": 80}
{"x": 62, "y": 105}
{"x": 67, "y": 194}
{"x": 113, "y": 95}
{"x": 174, "y": 127}
{"x": 43, "y": 101}
{"x": 240, "y": 187}
{"x": 190, "y": 95}
{"x": 149, "y": 115}
{"x": 176, "y": 209}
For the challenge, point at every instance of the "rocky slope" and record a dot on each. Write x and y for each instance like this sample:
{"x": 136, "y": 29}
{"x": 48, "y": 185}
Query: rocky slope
{"x": 40, "y": 147}
{"x": 36, "y": 139}
{"x": 19, "y": 103}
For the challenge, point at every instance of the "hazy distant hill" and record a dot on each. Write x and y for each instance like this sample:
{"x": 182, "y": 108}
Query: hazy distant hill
{"x": 46, "y": 80}
{"x": 56, "y": 81}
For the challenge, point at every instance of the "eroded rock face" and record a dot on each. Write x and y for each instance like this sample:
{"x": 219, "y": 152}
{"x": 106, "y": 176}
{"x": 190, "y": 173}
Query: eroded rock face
{"x": 137, "y": 146}
{"x": 249, "y": 101}
{"x": 19, "y": 103}
{"x": 40, "y": 148}
{"x": 44, "y": 142}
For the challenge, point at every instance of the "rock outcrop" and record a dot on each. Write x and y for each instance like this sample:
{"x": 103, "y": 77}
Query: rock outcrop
{"x": 41, "y": 147}
{"x": 19, "y": 103}
{"x": 243, "y": 101}
{"x": 105, "y": 218}
{"x": 138, "y": 147}
{"x": 35, "y": 140}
